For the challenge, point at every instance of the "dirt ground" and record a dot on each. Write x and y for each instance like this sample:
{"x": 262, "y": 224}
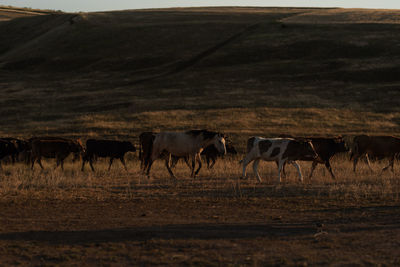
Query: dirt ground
{"x": 197, "y": 223}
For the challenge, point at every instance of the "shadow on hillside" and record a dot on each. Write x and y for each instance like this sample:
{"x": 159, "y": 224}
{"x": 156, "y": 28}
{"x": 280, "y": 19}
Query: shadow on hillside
{"x": 167, "y": 232}
{"x": 182, "y": 232}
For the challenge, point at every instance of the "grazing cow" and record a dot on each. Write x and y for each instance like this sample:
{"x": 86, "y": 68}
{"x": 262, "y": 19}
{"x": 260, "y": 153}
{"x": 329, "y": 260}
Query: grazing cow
{"x": 19, "y": 145}
{"x": 379, "y": 147}
{"x": 146, "y": 140}
{"x": 53, "y": 148}
{"x": 106, "y": 148}
{"x": 325, "y": 148}
{"x": 280, "y": 150}
{"x": 185, "y": 144}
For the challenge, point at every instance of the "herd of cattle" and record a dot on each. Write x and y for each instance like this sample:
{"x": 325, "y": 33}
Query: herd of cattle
{"x": 192, "y": 145}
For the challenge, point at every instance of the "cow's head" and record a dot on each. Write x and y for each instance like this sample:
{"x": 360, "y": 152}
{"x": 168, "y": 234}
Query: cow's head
{"x": 340, "y": 145}
{"x": 307, "y": 150}
{"x": 230, "y": 149}
{"x": 130, "y": 147}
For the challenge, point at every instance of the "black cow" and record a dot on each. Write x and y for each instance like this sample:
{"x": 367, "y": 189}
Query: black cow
{"x": 106, "y": 148}
{"x": 326, "y": 148}
{"x": 19, "y": 145}
{"x": 6, "y": 149}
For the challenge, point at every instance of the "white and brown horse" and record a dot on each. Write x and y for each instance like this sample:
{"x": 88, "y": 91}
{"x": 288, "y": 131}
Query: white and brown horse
{"x": 185, "y": 144}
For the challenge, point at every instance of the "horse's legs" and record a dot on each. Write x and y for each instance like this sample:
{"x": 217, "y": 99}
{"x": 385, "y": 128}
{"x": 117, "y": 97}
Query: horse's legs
{"x": 255, "y": 169}
{"x": 208, "y": 161}
{"x": 199, "y": 161}
{"x": 123, "y": 162}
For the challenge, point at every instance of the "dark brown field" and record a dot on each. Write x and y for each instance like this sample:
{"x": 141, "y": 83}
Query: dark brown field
{"x": 243, "y": 71}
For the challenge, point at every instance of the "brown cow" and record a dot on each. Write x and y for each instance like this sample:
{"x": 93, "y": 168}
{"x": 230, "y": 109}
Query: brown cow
{"x": 146, "y": 140}
{"x": 326, "y": 148}
{"x": 19, "y": 147}
{"x": 379, "y": 147}
{"x": 106, "y": 148}
{"x": 58, "y": 149}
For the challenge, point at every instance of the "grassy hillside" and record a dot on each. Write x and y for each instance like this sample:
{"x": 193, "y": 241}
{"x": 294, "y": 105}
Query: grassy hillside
{"x": 243, "y": 71}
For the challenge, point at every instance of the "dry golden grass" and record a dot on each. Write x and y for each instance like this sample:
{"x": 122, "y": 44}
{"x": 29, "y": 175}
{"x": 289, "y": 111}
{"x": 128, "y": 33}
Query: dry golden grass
{"x": 19, "y": 182}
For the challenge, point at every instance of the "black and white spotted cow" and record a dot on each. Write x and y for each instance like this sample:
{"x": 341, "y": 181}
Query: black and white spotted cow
{"x": 280, "y": 150}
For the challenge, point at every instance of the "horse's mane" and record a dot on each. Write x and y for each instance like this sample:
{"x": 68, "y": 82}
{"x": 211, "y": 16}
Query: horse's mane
{"x": 206, "y": 134}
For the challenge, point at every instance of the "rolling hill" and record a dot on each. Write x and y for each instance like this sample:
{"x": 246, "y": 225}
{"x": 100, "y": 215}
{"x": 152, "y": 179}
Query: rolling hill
{"x": 244, "y": 71}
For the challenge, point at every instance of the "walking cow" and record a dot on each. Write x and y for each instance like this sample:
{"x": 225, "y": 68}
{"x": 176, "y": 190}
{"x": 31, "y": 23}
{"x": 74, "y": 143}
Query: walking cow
{"x": 280, "y": 150}
{"x": 106, "y": 148}
{"x": 379, "y": 147}
{"x": 53, "y": 148}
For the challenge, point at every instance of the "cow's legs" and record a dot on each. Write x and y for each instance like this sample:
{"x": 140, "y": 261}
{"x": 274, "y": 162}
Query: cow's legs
{"x": 391, "y": 163}
{"x": 329, "y": 167}
{"x": 149, "y": 167}
{"x": 283, "y": 168}
{"x": 198, "y": 158}
{"x": 168, "y": 167}
{"x": 91, "y": 163}
{"x": 83, "y": 164}
{"x": 213, "y": 162}
{"x": 111, "y": 161}
{"x": 193, "y": 165}
{"x": 255, "y": 169}
{"x": 281, "y": 163}
{"x": 245, "y": 162}
{"x": 39, "y": 162}
{"x": 123, "y": 162}
{"x": 208, "y": 161}
{"x": 314, "y": 164}
{"x": 33, "y": 162}
{"x": 295, "y": 164}
{"x": 355, "y": 160}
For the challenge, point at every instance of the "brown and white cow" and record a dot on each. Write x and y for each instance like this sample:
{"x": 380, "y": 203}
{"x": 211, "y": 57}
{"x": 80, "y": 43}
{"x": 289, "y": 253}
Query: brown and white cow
{"x": 378, "y": 147}
{"x": 280, "y": 150}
